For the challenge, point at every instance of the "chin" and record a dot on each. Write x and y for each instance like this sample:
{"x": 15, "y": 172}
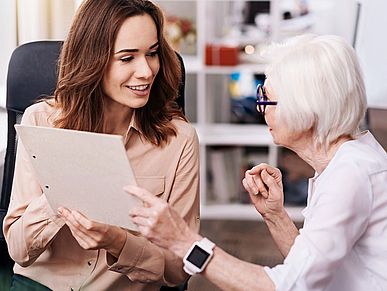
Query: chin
{"x": 276, "y": 142}
{"x": 139, "y": 103}
{"x": 275, "y": 139}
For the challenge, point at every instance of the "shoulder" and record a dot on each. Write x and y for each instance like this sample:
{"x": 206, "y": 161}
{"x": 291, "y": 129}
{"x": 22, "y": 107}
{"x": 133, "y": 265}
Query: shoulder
{"x": 185, "y": 138}
{"x": 351, "y": 173}
{"x": 41, "y": 113}
{"x": 364, "y": 155}
{"x": 184, "y": 129}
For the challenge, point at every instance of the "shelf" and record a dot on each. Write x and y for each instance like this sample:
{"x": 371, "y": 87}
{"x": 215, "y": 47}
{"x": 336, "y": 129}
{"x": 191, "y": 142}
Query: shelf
{"x": 253, "y": 68}
{"x": 234, "y": 134}
{"x": 209, "y": 90}
{"x": 194, "y": 65}
{"x": 244, "y": 212}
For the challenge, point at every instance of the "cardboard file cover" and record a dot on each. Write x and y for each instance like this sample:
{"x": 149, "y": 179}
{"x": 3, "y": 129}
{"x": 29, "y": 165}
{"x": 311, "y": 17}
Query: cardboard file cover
{"x": 82, "y": 171}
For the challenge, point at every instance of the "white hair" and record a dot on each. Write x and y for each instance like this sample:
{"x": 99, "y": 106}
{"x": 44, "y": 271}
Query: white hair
{"x": 319, "y": 86}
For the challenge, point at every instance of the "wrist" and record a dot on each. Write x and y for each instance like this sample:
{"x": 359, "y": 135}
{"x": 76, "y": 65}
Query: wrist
{"x": 181, "y": 246}
{"x": 118, "y": 244}
{"x": 198, "y": 256}
{"x": 275, "y": 217}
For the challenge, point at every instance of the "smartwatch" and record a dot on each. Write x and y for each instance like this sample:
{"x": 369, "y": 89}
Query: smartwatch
{"x": 198, "y": 256}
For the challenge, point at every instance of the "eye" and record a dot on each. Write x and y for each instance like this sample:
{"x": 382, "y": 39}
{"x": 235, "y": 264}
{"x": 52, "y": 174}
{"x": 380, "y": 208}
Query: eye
{"x": 126, "y": 59}
{"x": 153, "y": 54}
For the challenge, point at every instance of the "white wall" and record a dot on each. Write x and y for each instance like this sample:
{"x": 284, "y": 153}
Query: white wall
{"x": 371, "y": 46}
{"x": 8, "y": 40}
{"x": 23, "y": 21}
{"x": 334, "y": 17}
{"x": 44, "y": 19}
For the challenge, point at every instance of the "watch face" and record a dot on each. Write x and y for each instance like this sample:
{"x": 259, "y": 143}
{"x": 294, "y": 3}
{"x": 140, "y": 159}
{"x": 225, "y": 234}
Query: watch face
{"x": 198, "y": 257}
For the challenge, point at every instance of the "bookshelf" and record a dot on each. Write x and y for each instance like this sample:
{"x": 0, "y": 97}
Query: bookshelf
{"x": 208, "y": 106}
{"x": 243, "y": 212}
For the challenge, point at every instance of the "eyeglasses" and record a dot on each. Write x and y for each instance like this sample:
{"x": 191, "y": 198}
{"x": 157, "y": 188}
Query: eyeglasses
{"x": 262, "y": 100}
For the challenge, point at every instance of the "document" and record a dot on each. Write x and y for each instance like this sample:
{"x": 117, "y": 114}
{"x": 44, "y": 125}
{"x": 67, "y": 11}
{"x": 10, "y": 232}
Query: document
{"x": 82, "y": 171}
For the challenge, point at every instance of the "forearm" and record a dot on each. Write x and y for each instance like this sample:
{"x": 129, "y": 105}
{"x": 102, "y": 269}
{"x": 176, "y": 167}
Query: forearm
{"x": 282, "y": 230}
{"x": 224, "y": 270}
{"x": 143, "y": 261}
{"x": 30, "y": 223}
{"x": 230, "y": 273}
{"x": 29, "y": 231}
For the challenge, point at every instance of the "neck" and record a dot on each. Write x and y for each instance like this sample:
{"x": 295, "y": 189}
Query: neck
{"x": 116, "y": 117}
{"x": 317, "y": 156}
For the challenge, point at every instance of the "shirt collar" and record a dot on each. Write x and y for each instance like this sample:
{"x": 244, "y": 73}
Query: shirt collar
{"x": 132, "y": 124}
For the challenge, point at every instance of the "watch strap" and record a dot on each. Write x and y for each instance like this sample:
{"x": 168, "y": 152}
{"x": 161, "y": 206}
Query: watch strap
{"x": 206, "y": 244}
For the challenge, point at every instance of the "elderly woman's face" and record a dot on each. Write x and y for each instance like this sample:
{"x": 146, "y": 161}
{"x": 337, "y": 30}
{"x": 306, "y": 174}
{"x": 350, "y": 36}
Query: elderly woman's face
{"x": 134, "y": 64}
{"x": 279, "y": 131}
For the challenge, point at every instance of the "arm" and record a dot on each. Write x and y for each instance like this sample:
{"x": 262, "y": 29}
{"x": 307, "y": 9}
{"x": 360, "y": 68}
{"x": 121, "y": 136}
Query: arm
{"x": 338, "y": 219}
{"x": 161, "y": 224}
{"x": 264, "y": 184}
{"x": 30, "y": 224}
{"x": 221, "y": 272}
{"x": 282, "y": 230}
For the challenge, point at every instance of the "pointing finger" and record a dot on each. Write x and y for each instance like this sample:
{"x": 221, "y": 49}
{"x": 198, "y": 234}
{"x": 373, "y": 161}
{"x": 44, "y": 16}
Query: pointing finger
{"x": 140, "y": 211}
{"x": 142, "y": 194}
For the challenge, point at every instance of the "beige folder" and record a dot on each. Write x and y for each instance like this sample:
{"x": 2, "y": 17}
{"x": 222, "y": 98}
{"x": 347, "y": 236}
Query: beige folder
{"x": 83, "y": 171}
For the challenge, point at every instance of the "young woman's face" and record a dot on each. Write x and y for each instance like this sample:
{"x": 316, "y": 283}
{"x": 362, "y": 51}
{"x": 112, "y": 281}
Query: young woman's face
{"x": 134, "y": 64}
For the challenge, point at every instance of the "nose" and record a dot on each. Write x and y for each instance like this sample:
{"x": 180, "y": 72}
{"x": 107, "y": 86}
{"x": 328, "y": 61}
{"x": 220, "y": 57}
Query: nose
{"x": 143, "y": 69}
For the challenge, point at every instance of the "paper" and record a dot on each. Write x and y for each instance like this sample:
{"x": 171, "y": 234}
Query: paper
{"x": 82, "y": 171}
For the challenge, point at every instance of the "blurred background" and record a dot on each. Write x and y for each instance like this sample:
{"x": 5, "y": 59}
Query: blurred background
{"x": 220, "y": 41}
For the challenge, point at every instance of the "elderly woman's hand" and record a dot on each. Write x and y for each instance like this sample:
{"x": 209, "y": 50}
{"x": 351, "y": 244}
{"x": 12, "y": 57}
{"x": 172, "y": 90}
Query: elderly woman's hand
{"x": 264, "y": 184}
{"x": 160, "y": 223}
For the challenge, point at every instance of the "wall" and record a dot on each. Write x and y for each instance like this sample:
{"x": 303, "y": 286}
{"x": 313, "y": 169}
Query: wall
{"x": 7, "y": 40}
{"x": 371, "y": 46}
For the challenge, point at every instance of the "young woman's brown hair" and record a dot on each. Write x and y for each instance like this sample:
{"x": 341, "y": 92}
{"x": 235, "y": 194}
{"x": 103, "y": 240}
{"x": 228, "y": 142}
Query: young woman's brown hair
{"x": 84, "y": 59}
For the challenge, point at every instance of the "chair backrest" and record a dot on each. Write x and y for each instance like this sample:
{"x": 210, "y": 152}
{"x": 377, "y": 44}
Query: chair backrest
{"x": 32, "y": 73}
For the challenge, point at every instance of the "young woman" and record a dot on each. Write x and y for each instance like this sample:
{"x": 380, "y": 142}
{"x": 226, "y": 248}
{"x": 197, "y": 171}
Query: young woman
{"x": 117, "y": 75}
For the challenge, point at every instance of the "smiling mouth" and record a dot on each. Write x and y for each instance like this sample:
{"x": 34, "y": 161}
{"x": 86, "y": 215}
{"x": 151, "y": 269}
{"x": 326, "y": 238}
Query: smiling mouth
{"x": 139, "y": 87}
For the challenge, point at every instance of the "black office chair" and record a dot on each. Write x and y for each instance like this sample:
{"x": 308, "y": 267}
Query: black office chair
{"x": 32, "y": 73}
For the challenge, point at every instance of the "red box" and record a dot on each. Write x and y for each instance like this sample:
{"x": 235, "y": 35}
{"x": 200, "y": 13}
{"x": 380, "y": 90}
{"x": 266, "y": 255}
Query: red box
{"x": 220, "y": 55}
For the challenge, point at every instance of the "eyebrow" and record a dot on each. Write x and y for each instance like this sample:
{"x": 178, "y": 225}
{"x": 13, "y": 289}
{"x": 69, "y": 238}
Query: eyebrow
{"x": 136, "y": 50}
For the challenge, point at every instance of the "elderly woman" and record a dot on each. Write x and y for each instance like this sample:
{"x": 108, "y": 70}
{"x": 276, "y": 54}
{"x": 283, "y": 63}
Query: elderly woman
{"x": 313, "y": 101}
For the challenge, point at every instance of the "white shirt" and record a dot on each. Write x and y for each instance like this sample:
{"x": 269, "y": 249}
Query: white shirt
{"x": 343, "y": 244}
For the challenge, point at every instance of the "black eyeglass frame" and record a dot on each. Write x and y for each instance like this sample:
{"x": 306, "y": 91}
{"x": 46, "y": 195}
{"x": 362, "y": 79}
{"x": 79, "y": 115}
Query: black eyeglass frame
{"x": 262, "y": 100}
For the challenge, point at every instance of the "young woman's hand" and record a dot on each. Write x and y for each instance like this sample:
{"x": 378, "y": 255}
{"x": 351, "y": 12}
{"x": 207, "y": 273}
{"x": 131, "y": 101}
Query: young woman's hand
{"x": 264, "y": 185}
{"x": 93, "y": 235}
